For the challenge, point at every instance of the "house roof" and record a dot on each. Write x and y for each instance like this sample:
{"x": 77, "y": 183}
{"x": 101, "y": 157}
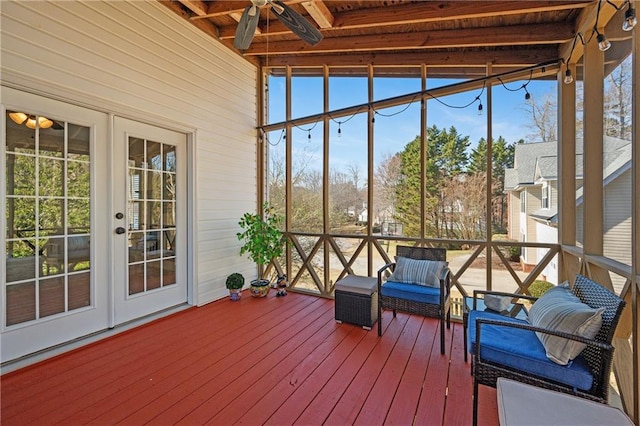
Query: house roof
{"x": 525, "y": 159}
{"x": 546, "y": 168}
{"x": 455, "y": 39}
{"x": 534, "y": 162}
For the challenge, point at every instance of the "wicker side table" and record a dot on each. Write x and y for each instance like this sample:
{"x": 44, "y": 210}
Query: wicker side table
{"x": 356, "y": 301}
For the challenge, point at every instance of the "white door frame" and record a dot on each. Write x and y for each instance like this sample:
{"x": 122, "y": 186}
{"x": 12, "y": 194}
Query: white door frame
{"x": 128, "y": 307}
{"x": 46, "y": 333}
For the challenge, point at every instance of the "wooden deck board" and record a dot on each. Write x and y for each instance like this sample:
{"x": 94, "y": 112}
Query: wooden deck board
{"x": 269, "y": 361}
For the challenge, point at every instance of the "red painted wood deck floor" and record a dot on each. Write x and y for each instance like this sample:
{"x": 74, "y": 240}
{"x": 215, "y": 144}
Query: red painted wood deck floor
{"x": 276, "y": 361}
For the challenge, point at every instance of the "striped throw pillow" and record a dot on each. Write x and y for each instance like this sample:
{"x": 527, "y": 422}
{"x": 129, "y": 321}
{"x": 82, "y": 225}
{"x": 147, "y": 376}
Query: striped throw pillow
{"x": 559, "y": 309}
{"x": 421, "y": 272}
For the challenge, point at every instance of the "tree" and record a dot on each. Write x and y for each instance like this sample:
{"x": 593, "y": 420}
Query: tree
{"x": 464, "y": 203}
{"x": 617, "y": 116}
{"x": 543, "y": 114}
{"x": 502, "y": 154}
{"x": 385, "y": 181}
{"x": 446, "y": 156}
{"x": 356, "y": 197}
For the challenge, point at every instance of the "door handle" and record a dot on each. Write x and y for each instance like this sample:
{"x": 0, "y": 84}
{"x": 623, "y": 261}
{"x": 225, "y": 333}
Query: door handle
{"x": 120, "y": 230}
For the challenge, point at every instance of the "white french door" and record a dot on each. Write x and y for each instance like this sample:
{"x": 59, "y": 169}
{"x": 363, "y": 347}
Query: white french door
{"x": 55, "y": 268}
{"x": 94, "y": 229}
{"x": 149, "y": 217}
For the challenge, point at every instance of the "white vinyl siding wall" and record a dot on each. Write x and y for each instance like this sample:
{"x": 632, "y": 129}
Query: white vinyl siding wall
{"x": 617, "y": 218}
{"x": 534, "y": 203}
{"x": 554, "y": 194}
{"x": 141, "y": 61}
{"x": 514, "y": 215}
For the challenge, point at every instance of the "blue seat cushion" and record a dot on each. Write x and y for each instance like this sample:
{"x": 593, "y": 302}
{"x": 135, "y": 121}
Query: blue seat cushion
{"x": 521, "y": 350}
{"x": 413, "y": 292}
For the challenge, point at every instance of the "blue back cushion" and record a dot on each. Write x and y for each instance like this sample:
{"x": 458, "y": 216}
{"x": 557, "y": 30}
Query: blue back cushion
{"x": 420, "y": 272}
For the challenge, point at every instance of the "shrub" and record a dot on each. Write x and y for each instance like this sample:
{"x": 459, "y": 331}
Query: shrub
{"x": 540, "y": 287}
{"x": 235, "y": 281}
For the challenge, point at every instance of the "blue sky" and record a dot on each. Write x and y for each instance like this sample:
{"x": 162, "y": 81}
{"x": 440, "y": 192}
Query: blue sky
{"x": 397, "y": 126}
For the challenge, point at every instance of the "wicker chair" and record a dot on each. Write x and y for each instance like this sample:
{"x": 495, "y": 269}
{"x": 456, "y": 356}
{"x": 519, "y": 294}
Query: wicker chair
{"x": 595, "y": 360}
{"x": 440, "y": 310}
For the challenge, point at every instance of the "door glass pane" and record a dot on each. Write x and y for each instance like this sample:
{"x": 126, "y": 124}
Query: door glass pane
{"x": 152, "y": 215}
{"x": 48, "y": 211}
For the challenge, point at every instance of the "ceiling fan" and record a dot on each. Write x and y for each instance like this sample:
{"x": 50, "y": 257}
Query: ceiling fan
{"x": 289, "y": 17}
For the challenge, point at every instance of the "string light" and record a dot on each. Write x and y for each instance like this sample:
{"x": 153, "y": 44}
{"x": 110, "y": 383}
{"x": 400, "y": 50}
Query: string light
{"x": 568, "y": 77}
{"x": 422, "y": 95}
{"x": 527, "y": 95}
{"x": 630, "y": 20}
{"x": 307, "y": 130}
{"x": 344, "y": 121}
{"x": 603, "y": 43}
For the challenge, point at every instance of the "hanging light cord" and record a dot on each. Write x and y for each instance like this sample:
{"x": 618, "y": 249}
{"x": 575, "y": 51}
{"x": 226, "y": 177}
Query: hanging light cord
{"x": 397, "y": 112}
{"x": 477, "y": 98}
{"x": 282, "y": 136}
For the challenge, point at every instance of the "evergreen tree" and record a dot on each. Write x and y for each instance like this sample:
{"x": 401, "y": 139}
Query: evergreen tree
{"x": 446, "y": 153}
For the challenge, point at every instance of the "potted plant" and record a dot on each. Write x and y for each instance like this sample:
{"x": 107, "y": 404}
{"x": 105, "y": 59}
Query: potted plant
{"x": 263, "y": 241}
{"x": 234, "y": 283}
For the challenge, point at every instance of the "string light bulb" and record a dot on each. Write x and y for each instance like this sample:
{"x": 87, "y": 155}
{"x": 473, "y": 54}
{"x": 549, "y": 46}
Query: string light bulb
{"x": 480, "y": 108}
{"x": 630, "y": 20}
{"x": 568, "y": 77}
{"x": 603, "y": 43}
{"x": 527, "y": 95}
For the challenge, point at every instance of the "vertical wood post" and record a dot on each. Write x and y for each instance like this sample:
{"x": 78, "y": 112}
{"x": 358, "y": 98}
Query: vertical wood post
{"x": 566, "y": 165}
{"x": 489, "y": 194}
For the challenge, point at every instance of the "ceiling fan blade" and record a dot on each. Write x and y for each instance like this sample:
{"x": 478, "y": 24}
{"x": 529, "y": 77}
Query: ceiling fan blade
{"x": 246, "y": 28}
{"x": 296, "y": 23}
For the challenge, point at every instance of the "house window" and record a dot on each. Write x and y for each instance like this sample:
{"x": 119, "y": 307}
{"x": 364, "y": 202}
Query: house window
{"x": 523, "y": 202}
{"x": 546, "y": 196}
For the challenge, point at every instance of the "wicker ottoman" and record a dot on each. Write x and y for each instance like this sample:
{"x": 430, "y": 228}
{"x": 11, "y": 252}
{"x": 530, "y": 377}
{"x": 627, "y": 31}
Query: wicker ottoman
{"x": 357, "y": 300}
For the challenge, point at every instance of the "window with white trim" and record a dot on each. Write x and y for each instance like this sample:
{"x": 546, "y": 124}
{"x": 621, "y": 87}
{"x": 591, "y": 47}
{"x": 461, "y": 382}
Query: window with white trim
{"x": 546, "y": 195}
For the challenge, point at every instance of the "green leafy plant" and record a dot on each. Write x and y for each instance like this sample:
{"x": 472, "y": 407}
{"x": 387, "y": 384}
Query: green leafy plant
{"x": 261, "y": 235}
{"x": 235, "y": 281}
{"x": 539, "y": 287}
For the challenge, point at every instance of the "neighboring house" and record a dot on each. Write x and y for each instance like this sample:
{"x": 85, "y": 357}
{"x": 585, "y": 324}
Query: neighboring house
{"x": 532, "y": 190}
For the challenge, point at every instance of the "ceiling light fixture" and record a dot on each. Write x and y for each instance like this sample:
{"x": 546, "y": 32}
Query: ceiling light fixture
{"x": 31, "y": 120}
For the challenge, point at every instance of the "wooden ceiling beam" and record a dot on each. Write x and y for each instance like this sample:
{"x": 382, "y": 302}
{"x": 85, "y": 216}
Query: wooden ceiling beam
{"x": 225, "y": 7}
{"x": 437, "y": 11}
{"x": 460, "y": 38}
{"x": 584, "y": 25}
{"x": 423, "y": 12}
{"x": 515, "y": 58}
{"x": 320, "y": 13}
{"x": 206, "y": 26}
{"x": 196, "y": 6}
